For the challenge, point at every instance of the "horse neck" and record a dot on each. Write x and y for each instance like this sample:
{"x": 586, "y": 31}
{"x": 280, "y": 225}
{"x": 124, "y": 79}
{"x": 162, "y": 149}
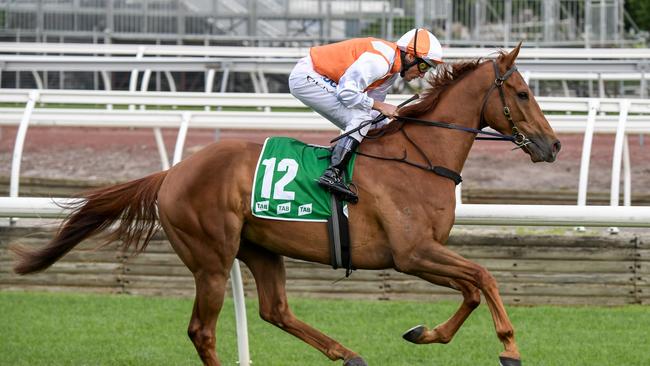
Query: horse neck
{"x": 460, "y": 105}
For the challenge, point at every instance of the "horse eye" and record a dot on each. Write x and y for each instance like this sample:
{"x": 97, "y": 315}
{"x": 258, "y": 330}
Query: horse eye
{"x": 523, "y": 95}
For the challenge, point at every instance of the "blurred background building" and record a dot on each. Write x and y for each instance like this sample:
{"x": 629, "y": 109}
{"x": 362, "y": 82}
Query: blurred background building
{"x": 303, "y": 23}
{"x": 543, "y": 23}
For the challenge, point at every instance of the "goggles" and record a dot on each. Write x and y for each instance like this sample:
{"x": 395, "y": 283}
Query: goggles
{"x": 422, "y": 65}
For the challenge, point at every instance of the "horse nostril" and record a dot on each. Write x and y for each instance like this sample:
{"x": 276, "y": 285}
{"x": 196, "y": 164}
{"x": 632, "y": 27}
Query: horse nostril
{"x": 557, "y": 146}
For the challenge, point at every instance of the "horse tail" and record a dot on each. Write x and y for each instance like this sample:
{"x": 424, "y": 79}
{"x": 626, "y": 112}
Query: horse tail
{"x": 131, "y": 205}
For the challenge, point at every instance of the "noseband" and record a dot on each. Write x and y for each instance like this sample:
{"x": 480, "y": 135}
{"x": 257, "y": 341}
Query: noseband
{"x": 518, "y": 138}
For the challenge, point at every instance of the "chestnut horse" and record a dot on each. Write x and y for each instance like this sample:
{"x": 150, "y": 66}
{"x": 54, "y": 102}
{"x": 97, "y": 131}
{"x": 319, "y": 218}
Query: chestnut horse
{"x": 402, "y": 220}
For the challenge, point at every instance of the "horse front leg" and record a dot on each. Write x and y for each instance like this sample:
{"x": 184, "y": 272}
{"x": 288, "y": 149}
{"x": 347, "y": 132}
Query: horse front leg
{"x": 269, "y": 273}
{"x": 437, "y": 260}
{"x": 444, "y": 332}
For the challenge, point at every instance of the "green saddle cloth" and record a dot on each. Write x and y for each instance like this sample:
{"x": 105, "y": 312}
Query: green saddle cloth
{"x": 285, "y": 185}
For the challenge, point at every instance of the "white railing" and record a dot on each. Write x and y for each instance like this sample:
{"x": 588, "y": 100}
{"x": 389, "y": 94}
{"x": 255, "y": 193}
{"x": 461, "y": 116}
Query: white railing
{"x": 296, "y": 52}
{"x": 538, "y": 64}
{"x": 612, "y": 116}
{"x": 284, "y": 65}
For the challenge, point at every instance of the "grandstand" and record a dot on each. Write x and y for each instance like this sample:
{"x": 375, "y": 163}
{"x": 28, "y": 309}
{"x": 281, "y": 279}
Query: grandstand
{"x": 300, "y": 23}
{"x": 542, "y": 23}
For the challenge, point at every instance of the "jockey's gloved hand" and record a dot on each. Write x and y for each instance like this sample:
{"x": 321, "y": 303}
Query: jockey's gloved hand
{"x": 386, "y": 109}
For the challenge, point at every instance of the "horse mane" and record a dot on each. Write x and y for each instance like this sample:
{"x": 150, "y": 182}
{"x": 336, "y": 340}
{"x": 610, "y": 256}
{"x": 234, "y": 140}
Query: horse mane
{"x": 446, "y": 76}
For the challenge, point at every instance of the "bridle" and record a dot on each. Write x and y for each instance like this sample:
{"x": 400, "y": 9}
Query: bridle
{"x": 518, "y": 138}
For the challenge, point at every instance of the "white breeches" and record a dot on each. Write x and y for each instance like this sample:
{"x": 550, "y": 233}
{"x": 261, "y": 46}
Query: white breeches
{"x": 319, "y": 93}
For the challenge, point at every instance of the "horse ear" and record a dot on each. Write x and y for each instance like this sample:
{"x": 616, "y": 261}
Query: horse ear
{"x": 510, "y": 58}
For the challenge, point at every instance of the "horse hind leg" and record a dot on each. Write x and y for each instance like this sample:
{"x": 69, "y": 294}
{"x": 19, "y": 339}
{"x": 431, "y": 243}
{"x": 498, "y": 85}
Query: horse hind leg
{"x": 269, "y": 273}
{"x": 209, "y": 256}
{"x": 445, "y": 332}
{"x": 210, "y": 292}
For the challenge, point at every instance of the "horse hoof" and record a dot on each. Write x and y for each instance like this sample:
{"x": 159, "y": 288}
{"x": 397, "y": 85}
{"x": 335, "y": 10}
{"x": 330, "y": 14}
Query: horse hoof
{"x": 507, "y": 361}
{"x": 412, "y": 335}
{"x": 355, "y": 361}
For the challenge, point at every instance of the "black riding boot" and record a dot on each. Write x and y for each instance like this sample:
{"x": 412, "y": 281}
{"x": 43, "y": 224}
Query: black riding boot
{"x": 332, "y": 178}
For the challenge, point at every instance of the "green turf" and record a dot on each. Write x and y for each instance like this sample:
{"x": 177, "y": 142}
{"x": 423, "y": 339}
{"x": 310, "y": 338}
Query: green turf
{"x": 73, "y": 329}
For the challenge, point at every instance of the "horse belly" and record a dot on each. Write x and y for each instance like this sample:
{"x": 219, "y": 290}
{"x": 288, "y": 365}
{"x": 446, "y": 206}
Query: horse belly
{"x": 309, "y": 241}
{"x": 301, "y": 240}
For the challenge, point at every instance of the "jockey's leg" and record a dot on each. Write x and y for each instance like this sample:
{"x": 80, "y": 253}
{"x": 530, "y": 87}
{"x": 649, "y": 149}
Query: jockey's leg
{"x": 319, "y": 93}
{"x": 333, "y": 179}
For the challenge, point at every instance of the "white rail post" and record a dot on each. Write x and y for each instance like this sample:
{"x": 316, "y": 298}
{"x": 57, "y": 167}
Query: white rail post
{"x": 240, "y": 314}
{"x": 594, "y": 105}
{"x": 222, "y": 89}
{"x": 20, "y": 143}
{"x": 170, "y": 81}
{"x": 264, "y": 86}
{"x": 107, "y": 86}
{"x": 162, "y": 149}
{"x": 157, "y": 132}
{"x": 627, "y": 174}
{"x": 224, "y": 80}
{"x": 209, "y": 83}
{"x": 618, "y": 154}
{"x": 38, "y": 80}
{"x": 181, "y": 137}
{"x": 133, "y": 81}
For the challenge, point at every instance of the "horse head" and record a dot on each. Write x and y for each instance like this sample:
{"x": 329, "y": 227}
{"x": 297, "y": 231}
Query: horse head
{"x": 510, "y": 108}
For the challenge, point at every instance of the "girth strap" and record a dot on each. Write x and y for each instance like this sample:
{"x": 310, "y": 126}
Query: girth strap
{"x": 339, "y": 234}
{"x": 448, "y": 173}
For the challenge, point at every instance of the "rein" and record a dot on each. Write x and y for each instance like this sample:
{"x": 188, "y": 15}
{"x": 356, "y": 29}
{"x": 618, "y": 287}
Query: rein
{"x": 439, "y": 170}
{"x": 451, "y": 126}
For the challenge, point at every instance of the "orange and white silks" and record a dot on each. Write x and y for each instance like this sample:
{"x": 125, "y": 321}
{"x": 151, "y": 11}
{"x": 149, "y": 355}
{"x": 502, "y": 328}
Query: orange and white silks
{"x": 342, "y": 80}
{"x": 335, "y": 59}
{"x": 358, "y": 65}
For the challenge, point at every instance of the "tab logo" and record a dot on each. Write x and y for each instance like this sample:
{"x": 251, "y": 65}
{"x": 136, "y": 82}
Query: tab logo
{"x": 261, "y": 206}
{"x": 304, "y": 209}
{"x": 284, "y": 208}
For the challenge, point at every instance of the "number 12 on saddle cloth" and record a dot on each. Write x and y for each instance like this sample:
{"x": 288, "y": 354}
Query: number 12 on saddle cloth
{"x": 284, "y": 185}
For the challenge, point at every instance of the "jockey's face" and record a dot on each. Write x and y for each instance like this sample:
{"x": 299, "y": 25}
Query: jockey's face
{"x": 413, "y": 71}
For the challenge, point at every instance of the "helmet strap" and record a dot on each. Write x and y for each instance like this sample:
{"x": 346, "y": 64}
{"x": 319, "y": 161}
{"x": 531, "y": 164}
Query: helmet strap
{"x": 405, "y": 65}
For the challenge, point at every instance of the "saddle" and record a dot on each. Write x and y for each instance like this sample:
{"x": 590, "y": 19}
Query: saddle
{"x": 285, "y": 188}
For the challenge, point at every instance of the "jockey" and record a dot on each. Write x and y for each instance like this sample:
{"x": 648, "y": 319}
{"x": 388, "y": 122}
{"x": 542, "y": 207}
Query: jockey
{"x": 347, "y": 83}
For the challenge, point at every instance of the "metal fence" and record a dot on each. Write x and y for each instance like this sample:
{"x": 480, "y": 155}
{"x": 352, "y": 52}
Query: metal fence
{"x": 305, "y": 22}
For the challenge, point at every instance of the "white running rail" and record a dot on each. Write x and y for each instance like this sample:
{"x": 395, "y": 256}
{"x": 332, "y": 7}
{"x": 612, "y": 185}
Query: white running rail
{"x": 566, "y": 115}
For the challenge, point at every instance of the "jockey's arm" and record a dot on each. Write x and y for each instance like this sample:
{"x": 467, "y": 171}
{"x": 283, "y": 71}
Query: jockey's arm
{"x": 379, "y": 96}
{"x": 368, "y": 68}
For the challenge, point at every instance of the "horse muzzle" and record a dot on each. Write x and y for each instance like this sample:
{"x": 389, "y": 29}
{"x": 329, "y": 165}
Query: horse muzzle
{"x": 541, "y": 149}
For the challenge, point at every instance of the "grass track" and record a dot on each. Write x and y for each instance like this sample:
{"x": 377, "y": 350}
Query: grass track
{"x": 75, "y": 329}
